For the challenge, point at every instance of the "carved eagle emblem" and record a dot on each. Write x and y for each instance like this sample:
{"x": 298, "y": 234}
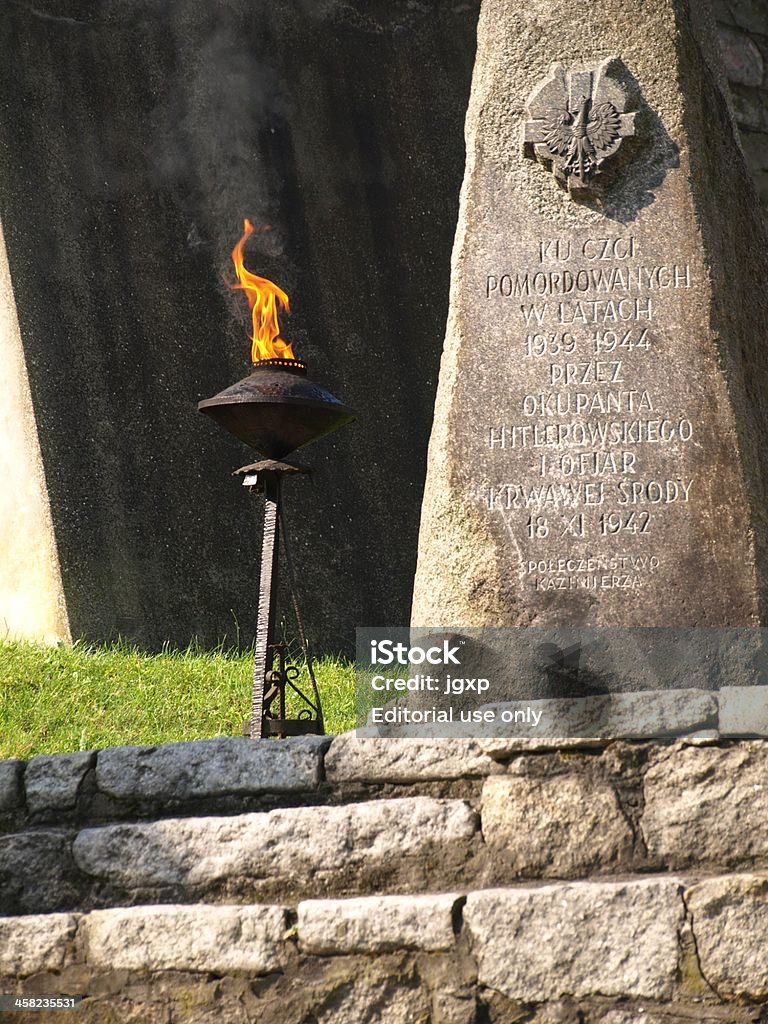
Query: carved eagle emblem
{"x": 581, "y": 135}
{"x": 577, "y": 120}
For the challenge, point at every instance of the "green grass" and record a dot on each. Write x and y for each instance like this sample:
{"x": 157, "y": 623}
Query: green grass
{"x": 55, "y": 699}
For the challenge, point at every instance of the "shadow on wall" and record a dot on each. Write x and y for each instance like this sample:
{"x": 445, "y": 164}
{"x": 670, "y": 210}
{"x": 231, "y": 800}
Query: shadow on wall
{"x": 133, "y": 140}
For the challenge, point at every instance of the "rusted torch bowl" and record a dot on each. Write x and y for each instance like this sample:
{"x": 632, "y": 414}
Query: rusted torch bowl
{"x": 277, "y": 409}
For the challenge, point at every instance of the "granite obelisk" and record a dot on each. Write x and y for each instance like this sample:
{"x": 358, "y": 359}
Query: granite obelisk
{"x": 598, "y": 455}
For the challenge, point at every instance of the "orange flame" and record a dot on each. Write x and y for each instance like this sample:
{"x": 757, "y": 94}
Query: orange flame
{"x": 263, "y": 298}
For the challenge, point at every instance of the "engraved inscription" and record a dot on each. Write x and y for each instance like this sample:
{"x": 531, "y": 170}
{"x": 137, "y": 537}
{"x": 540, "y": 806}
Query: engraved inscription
{"x": 572, "y": 459}
{"x": 624, "y": 572}
{"x": 629, "y": 279}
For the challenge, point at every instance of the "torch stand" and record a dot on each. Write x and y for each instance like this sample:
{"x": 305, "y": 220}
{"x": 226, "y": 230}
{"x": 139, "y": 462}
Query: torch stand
{"x": 275, "y": 411}
{"x": 272, "y": 673}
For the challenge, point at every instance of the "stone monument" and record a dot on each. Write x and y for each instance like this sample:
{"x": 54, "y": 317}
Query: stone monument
{"x": 598, "y": 454}
{"x": 31, "y": 593}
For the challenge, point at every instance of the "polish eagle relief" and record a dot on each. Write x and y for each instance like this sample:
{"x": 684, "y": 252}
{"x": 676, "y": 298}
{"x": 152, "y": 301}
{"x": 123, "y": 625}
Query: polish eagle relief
{"x": 577, "y": 121}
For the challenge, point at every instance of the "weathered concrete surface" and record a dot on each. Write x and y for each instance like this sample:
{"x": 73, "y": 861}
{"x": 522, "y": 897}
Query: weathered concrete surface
{"x": 377, "y": 924}
{"x": 677, "y": 196}
{"x": 31, "y": 593}
{"x": 707, "y": 806}
{"x": 577, "y": 940}
{"x": 565, "y": 826}
{"x": 52, "y": 781}
{"x": 339, "y": 124}
{"x": 415, "y": 838}
{"x": 218, "y": 939}
{"x": 39, "y": 942}
{"x": 204, "y": 768}
{"x": 730, "y": 925}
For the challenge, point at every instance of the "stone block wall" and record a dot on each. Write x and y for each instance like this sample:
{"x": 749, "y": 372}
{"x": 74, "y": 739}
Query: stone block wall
{"x": 393, "y": 880}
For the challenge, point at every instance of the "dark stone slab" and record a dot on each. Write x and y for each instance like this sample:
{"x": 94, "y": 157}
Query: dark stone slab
{"x": 37, "y": 873}
{"x": 134, "y": 137}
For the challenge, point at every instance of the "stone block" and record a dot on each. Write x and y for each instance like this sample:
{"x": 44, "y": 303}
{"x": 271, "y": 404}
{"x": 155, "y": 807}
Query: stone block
{"x": 35, "y": 943}
{"x": 741, "y": 56}
{"x": 721, "y": 12}
{"x": 730, "y": 925}
{"x": 219, "y": 939}
{"x": 209, "y": 768}
{"x": 377, "y": 924}
{"x": 563, "y": 826}
{"x": 31, "y": 595}
{"x": 393, "y": 759}
{"x": 644, "y": 714}
{"x": 452, "y": 979}
{"x": 373, "y": 995}
{"x": 36, "y": 872}
{"x": 508, "y": 537}
{"x": 743, "y": 711}
{"x": 10, "y": 784}
{"x": 297, "y": 843}
{"x": 750, "y": 110}
{"x": 707, "y": 806}
{"x": 750, "y": 15}
{"x": 502, "y": 748}
{"x": 548, "y": 723}
{"x": 580, "y": 939}
{"x": 52, "y": 781}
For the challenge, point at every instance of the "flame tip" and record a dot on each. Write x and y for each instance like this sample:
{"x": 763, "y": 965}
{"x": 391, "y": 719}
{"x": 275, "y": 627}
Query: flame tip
{"x": 263, "y": 299}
